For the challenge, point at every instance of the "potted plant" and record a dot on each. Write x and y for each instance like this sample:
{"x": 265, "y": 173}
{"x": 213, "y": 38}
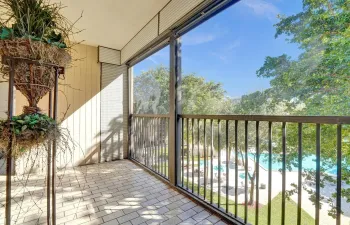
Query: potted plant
{"x": 33, "y": 30}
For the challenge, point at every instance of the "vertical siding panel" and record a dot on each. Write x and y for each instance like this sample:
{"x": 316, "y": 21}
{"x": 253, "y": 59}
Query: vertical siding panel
{"x": 67, "y": 105}
{"x": 98, "y": 110}
{"x": 96, "y": 107}
{"x": 75, "y": 82}
{"x": 82, "y": 107}
{"x": 88, "y": 115}
{"x": 93, "y": 147}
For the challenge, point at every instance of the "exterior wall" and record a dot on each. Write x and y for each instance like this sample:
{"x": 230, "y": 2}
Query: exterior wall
{"x": 3, "y": 99}
{"x": 93, "y": 99}
{"x": 80, "y": 99}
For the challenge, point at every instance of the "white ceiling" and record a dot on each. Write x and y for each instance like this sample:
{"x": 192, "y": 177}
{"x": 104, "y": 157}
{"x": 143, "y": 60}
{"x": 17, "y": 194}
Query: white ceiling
{"x": 110, "y": 23}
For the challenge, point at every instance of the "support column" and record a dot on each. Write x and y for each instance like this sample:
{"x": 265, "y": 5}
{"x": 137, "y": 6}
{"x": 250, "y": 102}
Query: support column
{"x": 131, "y": 110}
{"x": 174, "y": 110}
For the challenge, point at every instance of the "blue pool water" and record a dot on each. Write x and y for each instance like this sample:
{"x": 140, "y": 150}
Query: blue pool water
{"x": 215, "y": 167}
{"x": 309, "y": 162}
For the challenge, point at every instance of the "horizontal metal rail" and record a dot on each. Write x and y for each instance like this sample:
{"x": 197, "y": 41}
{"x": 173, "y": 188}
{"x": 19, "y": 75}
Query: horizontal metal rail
{"x": 205, "y": 172}
{"x": 151, "y": 115}
{"x": 282, "y": 119}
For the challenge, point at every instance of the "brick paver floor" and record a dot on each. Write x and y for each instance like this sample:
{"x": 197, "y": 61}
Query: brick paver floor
{"x": 118, "y": 192}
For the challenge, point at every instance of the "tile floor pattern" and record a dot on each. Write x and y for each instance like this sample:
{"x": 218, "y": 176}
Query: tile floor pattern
{"x": 118, "y": 192}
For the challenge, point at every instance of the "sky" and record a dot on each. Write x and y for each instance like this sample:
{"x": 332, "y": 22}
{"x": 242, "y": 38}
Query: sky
{"x": 230, "y": 47}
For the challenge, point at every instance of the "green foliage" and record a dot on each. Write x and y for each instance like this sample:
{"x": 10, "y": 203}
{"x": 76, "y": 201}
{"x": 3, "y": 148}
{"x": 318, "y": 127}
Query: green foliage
{"x": 319, "y": 78}
{"x": 151, "y": 91}
{"x": 37, "y": 20}
{"x": 26, "y": 131}
{"x": 39, "y": 123}
{"x": 151, "y": 94}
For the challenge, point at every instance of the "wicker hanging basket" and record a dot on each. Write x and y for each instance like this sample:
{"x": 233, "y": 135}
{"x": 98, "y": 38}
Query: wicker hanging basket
{"x": 34, "y": 81}
{"x": 34, "y": 69}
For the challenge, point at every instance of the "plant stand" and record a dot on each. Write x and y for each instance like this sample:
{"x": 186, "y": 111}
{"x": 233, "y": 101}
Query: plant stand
{"x": 51, "y": 156}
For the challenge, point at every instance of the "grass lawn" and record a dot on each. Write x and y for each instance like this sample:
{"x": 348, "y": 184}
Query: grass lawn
{"x": 276, "y": 206}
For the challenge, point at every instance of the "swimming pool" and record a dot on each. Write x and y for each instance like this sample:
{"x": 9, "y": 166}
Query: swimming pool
{"x": 309, "y": 162}
{"x": 215, "y": 167}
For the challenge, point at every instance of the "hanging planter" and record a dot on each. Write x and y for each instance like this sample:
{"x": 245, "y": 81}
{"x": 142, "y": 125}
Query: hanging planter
{"x": 35, "y": 44}
{"x": 33, "y": 80}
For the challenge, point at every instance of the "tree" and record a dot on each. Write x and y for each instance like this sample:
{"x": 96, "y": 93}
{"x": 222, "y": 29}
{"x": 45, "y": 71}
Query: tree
{"x": 316, "y": 83}
{"x": 319, "y": 77}
{"x": 151, "y": 94}
{"x": 151, "y": 91}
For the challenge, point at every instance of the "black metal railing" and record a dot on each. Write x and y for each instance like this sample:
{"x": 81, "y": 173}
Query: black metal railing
{"x": 226, "y": 161}
{"x": 149, "y": 142}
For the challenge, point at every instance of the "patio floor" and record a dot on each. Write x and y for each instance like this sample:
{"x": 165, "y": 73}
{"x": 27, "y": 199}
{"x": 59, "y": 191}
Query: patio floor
{"x": 118, "y": 192}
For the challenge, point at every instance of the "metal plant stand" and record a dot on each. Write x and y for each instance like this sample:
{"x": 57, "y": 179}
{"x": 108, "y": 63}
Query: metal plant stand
{"x": 51, "y": 156}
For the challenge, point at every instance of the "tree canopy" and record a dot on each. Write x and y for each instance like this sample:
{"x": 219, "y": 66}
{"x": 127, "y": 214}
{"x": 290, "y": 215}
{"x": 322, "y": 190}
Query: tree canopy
{"x": 151, "y": 94}
{"x": 319, "y": 78}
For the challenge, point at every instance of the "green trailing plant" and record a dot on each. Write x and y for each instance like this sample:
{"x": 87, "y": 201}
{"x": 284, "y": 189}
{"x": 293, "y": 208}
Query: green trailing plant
{"x": 27, "y": 130}
{"x": 34, "y": 122}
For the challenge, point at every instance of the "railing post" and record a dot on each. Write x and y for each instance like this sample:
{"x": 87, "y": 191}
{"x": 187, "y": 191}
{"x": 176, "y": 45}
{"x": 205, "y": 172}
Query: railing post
{"x": 9, "y": 163}
{"x": 54, "y": 148}
{"x": 174, "y": 110}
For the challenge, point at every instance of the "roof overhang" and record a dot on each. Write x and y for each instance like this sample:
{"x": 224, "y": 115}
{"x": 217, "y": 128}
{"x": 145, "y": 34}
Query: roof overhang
{"x": 110, "y": 23}
{"x": 131, "y": 26}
